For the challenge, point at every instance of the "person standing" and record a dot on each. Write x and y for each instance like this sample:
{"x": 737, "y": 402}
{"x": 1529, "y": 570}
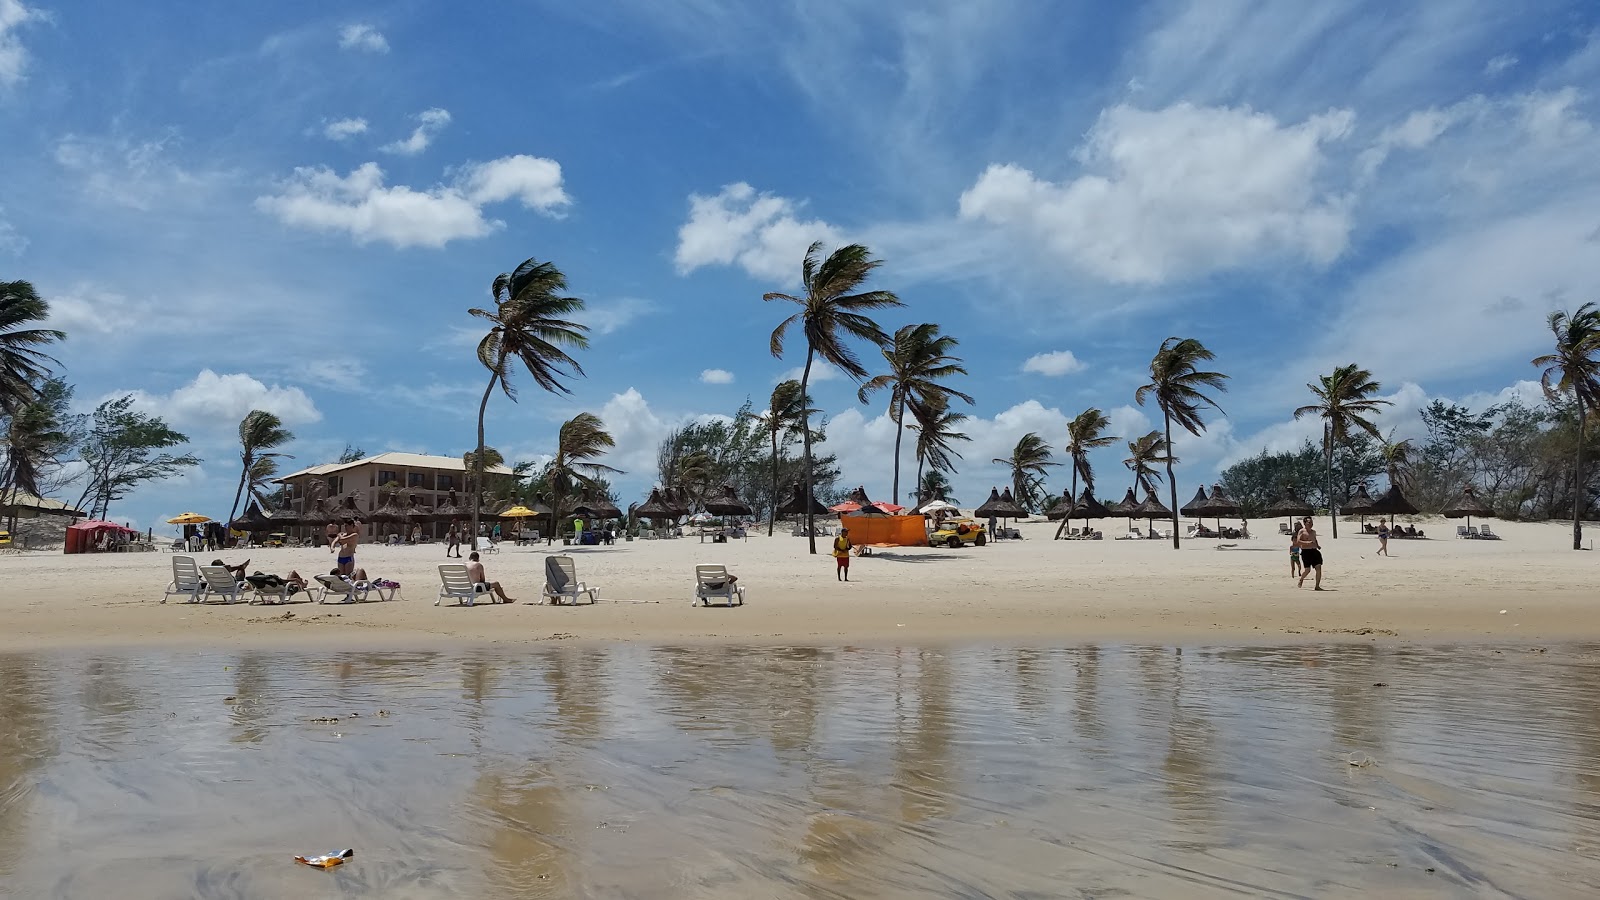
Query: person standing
{"x": 1310, "y": 554}
{"x": 453, "y": 541}
{"x": 841, "y": 554}
{"x": 349, "y": 537}
{"x": 1294, "y": 552}
{"x": 1383, "y": 538}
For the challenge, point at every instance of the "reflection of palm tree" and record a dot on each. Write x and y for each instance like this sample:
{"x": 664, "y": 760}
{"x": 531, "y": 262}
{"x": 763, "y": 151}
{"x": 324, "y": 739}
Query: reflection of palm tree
{"x": 249, "y": 709}
{"x": 923, "y": 767}
{"x": 27, "y": 742}
{"x": 528, "y": 821}
{"x": 1086, "y": 695}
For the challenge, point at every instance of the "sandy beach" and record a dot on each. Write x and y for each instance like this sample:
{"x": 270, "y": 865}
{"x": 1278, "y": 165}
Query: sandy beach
{"x": 1028, "y": 591}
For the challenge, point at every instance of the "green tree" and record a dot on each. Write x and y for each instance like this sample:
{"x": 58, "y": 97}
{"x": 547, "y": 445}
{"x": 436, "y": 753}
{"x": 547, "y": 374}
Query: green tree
{"x": 935, "y": 483}
{"x": 936, "y": 435}
{"x": 260, "y": 433}
{"x": 120, "y": 452}
{"x": 580, "y": 444}
{"x": 1573, "y": 372}
{"x": 1084, "y": 433}
{"x": 1144, "y": 454}
{"x": 36, "y": 438}
{"x": 475, "y": 464}
{"x": 528, "y": 324}
{"x": 1028, "y": 465}
{"x": 833, "y": 308}
{"x": 24, "y": 367}
{"x": 1345, "y": 401}
{"x": 351, "y": 454}
{"x": 919, "y": 360}
{"x": 786, "y": 411}
{"x": 1178, "y": 386}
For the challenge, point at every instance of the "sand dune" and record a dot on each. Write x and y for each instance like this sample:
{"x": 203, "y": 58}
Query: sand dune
{"x": 1032, "y": 591}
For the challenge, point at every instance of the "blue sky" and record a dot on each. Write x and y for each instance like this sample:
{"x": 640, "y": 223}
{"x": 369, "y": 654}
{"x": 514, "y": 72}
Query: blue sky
{"x": 287, "y": 207}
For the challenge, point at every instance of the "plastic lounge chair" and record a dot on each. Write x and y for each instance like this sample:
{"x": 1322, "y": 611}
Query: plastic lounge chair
{"x": 453, "y": 582}
{"x": 186, "y": 580}
{"x": 714, "y": 581}
{"x": 484, "y": 545}
{"x": 350, "y": 593}
{"x": 270, "y": 589}
{"x": 1461, "y": 531}
{"x": 1484, "y": 532}
{"x": 219, "y": 580}
{"x": 561, "y": 580}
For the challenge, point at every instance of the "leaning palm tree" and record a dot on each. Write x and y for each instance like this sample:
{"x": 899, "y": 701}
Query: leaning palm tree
{"x": 260, "y": 433}
{"x": 528, "y": 323}
{"x": 784, "y": 413}
{"x": 1178, "y": 386}
{"x": 936, "y": 484}
{"x": 1084, "y": 434}
{"x": 1397, "y": 458}
{"x": 919, "y": 359}
{"x": 259, "y": 483}
{"x": 832, "y": 308}
{"x": 1573, "y": 370}
{"x": 23, "y": 366}
{"x": 936, "y": 435}
{"x": 1144, "y": 454}
{"x": 34, "y": 439}
{"x": 1028, "y": 463}
{"x": 1344, "y": 402}
{"x": 576, "y": 469}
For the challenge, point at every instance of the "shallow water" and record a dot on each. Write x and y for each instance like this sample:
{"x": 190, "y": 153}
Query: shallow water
{"x": 628, "y": 771}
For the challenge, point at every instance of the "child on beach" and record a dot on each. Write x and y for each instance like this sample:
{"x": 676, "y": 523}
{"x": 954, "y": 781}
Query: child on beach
{"x": 1294, "y": 552}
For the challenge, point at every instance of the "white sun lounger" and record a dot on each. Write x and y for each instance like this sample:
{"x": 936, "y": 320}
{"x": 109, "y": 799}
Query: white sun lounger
{"x": 484, "y": 545}
{"x": 454, "y": 583}
{"x": 714, "y": 581}
{"x": 219, "y": 580}
{"x": 186, "y": 580}
{"x": 561, "y": 580}
{"x": 333, "y": 586}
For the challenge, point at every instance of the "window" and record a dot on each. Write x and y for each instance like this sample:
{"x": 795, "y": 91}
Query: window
{"x": 414, "y": 480}
{"x": 335, "y": 485}
{"x": 446, "y": 483}
{"x": 386, "y": 478}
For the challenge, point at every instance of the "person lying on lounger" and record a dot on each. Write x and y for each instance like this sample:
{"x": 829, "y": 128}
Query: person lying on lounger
{"x": 238, "y": 571}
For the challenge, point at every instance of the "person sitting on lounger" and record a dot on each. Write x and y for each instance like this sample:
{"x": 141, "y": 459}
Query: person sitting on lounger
{"x": 480, "y": 580}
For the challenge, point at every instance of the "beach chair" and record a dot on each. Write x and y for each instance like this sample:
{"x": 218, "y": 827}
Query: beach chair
{"x": 186, "y": 580}
{"x": 271, "y": 590}
{"x": 1486, "y": 534}
{"x": 219, "y": 580}
{"x": 453, "y": 582}
{"x": 333, "y": 586}
{"x": 1472, "y": 531}
{"x": 1283, "y": 528}
{"x": 714, "y": 581}
{"x": 1461, "y": 531}
{"x": 561, "y": 580}
{"x": 484, "y": 545}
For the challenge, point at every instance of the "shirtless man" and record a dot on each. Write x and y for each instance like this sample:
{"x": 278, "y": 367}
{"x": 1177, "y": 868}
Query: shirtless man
{"x": 1310, "y": 553}
{"x": 480, "y": 580}
{"x": 345, "y": 544}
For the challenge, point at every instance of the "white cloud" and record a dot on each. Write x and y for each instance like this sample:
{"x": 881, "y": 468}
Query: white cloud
{"x": 1059, "y": 362}
{"x": 820, "y": 372}
{"x": 638, "y": 431}
{"x": 344, "y": 129}
{"x": 364, "y": 38}
{"x": 758, "y": 232}
{"x": 131, "y": 173}
{"x": 1179, "y": 192}
{"x": 533, "y": 180}
{"x": 11, "y": 240}
{"x": 14, "y": 56}
{"x": 429, "y": 123}
{"x": 1127, "y": 422}
{"x": 716, "y": 376}
{"x": 1551, "y": 118}
{"x": 361, "y": 205}
{"x": 1499, "y": 64}
{"x": 217, "y": 402}
{"x": 607, "y": 317}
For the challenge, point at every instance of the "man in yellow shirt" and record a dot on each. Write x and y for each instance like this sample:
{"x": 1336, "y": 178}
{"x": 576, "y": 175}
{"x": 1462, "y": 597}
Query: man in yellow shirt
{"x": 841, "y": 554}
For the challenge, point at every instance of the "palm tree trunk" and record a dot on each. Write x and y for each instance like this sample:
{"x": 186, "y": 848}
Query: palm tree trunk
{"x": 1578, "y": 492}
{"x": 477, "y": 496}
{"x": 805, "y": 436}
{"x": 1172, "y": 482}
{"x": 900, "y": 430}
{"x": 772, "y": 511}
{"x": 1327, "y": 453}
{"x": 1068, "y": 518}
{"x": 243, "y": 477}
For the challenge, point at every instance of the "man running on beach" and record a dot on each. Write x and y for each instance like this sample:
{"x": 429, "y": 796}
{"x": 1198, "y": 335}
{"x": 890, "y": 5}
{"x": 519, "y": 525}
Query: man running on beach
{"x": 349, "y": 535}
{"x": 1310, "y": 553}
{"x": 841, "y": 554}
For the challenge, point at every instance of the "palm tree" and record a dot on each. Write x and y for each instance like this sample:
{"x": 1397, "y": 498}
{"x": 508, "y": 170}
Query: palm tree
{"x": 1083, "y": 435}
{"x": 1178, "y": 386}
{"x": 934, "y": 483}
{"x": 259, "y": 481}
{"x": 1397, "y": 458}
{"x": 1574, "y": 369}
{"x": 1144, "y": 454}
{"x": 919, "y": 357}
{"x": 35, "y": 438}
{"x": 582, "y": 441}
{"x": 23, "y": 366}
{"x": 831, "y": 309}
{"x": 1344, "y": 400}
{"x": 528, "y": 324}
{"x": 1028, "y": 463}
{"x": 936, "y": 432}
{"x": 784, "y": 413}
{"x": 474, "y": 465}
{"x": 259, "y": 433}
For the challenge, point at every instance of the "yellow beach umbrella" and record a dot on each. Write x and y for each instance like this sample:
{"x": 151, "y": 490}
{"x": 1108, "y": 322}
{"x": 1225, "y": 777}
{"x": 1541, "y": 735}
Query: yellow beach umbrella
{"x": 189, "y": 518}
{"x": 518, "y": 512}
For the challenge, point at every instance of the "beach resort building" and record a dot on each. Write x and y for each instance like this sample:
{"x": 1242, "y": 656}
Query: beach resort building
{"x": 430, "y": 479}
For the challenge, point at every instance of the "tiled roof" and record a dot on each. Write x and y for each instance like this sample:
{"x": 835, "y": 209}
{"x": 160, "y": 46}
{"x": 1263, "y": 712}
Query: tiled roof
{"x": 396, "y": 459}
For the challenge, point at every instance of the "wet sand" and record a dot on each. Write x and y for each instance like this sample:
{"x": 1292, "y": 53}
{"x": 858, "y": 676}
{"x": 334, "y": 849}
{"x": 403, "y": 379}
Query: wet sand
{"x": 1033, "y": 590}
{"x": 709, "y": 772}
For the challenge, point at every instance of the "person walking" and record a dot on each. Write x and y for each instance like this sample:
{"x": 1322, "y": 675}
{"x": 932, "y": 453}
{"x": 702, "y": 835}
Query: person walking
{"x": 1310, "y": 554}
{"x": 1294, "y": 552}
{"x": 1383, "y": 538}
{"x": 841, "y": 554}
{"x": 453, "y": 542}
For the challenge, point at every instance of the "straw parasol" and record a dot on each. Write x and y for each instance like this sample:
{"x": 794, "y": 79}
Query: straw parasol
{"x": 989, "y": 507}
{"x": 655, "y": 508}
{"x": 1219, "y": 504}
{"x": 727, "y": 503}
{"x": 1121, "y": 507}
{"x": 448, "y": 510}
{"x": 1469, "y": 505}
{"x": 389, "y": 512}
{"x": 1088, "y": 507}
{"x": 253, "y": 519}
{"x": 1008, "y": 508}
{"x": 1195, "y": 508}
{"x": 1058, "y": 510}
{"x": 1359, "y": 504}
{"x": 796, "y": 504}
{"x": 1393, "y": 503}
{"x": 1288, "y": 506}
{"x": 601, "y": 508}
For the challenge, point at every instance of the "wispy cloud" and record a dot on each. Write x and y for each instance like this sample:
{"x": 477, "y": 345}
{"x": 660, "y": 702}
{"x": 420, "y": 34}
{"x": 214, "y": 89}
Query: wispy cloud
{"x": 716, "y": 376}
{"x": 429, "y": 123}
{"x": 13, "y": 55}
{"x": 605, "y": 317}
{"x": 1059, "y": 362}
{"x": 344, "y": 129}
{"x": 363, "y": 38}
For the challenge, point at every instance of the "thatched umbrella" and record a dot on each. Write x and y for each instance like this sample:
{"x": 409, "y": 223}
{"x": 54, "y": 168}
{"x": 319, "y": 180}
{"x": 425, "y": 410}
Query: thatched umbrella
{"x": 1194, "y": 509}
{"x": 1288, "y": 506}
{"x": 1393, "y": 503}
{"x": 1059, "y": 509}
{"x": 676, "y": 502}
{"x": 990, "y": 506}
{"x": 656, "y": 508}
{"x": 284, "y": 517}
{"x": 601, "y": 508}
{"x": 1014, "y": 510}
{"x": 1469, "y": 505}
{"x": 1359, "y": 504}
{"x": 796, "y": 504}
{"x": 1152, "y": 509}
{"x": 727, "y": 503}
{"x": 1088, "y": 508}
{"x": 448, "y": 511}
{"x": 253, "y": 520}
{"x": 1219, "y": 504}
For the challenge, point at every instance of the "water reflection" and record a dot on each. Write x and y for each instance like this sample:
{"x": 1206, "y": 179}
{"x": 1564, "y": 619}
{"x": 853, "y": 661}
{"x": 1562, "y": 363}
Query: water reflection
{"x": 629, "y": 771}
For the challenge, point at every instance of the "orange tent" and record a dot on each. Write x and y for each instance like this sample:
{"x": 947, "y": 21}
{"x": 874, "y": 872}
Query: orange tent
{"x": 897, "y": 531}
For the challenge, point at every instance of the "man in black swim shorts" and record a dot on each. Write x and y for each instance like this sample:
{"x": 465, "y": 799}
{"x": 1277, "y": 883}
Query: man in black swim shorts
{"x": 1310, "y": 553}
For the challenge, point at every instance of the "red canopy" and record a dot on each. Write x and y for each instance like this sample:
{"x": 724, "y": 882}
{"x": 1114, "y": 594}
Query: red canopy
{"x": 82, "y": 536}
